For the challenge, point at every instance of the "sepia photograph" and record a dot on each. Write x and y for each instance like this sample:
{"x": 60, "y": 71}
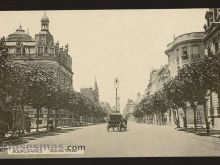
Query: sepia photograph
{"x": 110, "y": 83}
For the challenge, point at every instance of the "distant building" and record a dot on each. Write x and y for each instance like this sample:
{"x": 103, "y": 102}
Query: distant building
{"x": 87, "y": 92}
{"x": 212, "y": 47}
{"x": 42, "y": 51}
{"x": 157, "y": 78}
{"x": 129, "y": 109}
{"x": 92, "y": 94}
{"x": 96, "y": 92}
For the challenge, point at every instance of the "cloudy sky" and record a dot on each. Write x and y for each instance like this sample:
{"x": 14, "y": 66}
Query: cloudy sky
{"x": 105, "y": 44}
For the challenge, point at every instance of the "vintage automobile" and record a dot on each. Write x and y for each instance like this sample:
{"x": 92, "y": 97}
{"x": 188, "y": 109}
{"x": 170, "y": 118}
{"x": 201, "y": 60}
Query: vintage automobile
{"x": 116, "y": 120}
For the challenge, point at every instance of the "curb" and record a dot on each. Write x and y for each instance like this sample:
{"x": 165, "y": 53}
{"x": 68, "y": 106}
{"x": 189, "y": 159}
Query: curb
{"x": 39, "y": 132}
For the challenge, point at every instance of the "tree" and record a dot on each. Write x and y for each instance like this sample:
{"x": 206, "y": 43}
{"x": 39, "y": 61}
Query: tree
{"x": 160, "y": 104}
{"x": 138, "y": 111}
{"x": 176, "y": 97}
{"x": 39, "y": 83}
{"x": 195, "y": 86}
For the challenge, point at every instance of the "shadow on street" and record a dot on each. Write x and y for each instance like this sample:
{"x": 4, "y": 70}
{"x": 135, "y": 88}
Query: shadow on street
{"x": 42, "y": 135}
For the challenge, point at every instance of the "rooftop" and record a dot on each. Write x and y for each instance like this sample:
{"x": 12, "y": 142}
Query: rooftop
{"x": 184, "y": 38}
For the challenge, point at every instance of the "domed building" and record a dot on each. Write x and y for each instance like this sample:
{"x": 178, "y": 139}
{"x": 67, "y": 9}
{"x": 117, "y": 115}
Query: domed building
{"x": 19, "y": 35}
{"x": 42, "y": 51}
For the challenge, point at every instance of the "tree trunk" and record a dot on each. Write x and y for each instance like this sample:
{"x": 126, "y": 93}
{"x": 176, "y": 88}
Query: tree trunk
{"x": 56, "y": 122}
{"x": 194, "y": 115}
{"x": 211, "y": 109}
{"x": 206, "y": 118}
{"x": 22, "y": 119}
{"x": 185, "y": 118}
{"x": 48, "y": 118}
{"x": 162, "y": 118}
{"x": 37, "y": 121}
{"x": 178, "y": 119}
{"x": 219, "y": 100}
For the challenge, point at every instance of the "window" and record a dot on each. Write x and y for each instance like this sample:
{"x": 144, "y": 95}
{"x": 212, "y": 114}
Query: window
{"x": 45, "y": 49}
{"x": 18, "y": 50}
{"x": 215, "y": 42}
{"x": 195, "y": 52}
{"x": 51, "y": 51}
{"x": 184, "y": 54}
{"x": 195, "y": 56}
{"x": 38, "y": 121}
{"x": 24, "y": 50}
{"x": 209, "y": 50}
{"x": 40, "y": 50}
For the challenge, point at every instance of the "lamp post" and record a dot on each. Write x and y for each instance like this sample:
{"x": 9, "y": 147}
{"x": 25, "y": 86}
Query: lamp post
{"x": 116, "y": 83}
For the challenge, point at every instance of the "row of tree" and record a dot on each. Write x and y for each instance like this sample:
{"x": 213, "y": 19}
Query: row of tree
{"x": 193, "y": 85}
{"x": 38, "y": 87}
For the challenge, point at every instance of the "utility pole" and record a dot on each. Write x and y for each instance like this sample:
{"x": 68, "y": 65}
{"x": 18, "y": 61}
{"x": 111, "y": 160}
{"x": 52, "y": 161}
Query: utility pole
{"x": 116, "y": 83}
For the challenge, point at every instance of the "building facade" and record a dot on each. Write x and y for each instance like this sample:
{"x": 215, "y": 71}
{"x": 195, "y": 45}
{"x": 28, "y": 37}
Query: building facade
{"x": 129, "y": 109}
{"x": 157, "y": 78}
{"x": 42, "y": 51}
{"x": 92, "y": 94}
{"x": 212, "y": 47}
{"x": 186, "y": 49}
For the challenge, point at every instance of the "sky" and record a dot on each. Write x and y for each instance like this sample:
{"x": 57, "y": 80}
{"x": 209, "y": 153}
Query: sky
{"x": 105, "y": 44}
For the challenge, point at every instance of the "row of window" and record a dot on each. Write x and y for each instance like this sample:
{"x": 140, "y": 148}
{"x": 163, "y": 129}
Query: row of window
{"x": 22, "y": 50}
{"x": 41, "y": 50}
{"x": 185, "y": 55}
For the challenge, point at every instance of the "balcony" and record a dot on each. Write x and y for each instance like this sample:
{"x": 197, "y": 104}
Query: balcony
{"x": 185, "y": 37}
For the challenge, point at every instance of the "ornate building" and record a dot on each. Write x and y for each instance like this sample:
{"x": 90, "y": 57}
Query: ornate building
{"x": 212, "y": 47}
{"x": 42, "y": 51}
{"x": 185, "y": 49}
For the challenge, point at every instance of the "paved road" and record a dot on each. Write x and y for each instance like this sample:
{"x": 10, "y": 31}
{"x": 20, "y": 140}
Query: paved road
{"x": 140, "y": 140}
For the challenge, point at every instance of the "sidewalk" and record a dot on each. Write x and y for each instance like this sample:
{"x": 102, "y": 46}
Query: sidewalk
{"x": 201, "y": 132}
{"x": 44, "y": 130}
{"x": 34, "y": 132}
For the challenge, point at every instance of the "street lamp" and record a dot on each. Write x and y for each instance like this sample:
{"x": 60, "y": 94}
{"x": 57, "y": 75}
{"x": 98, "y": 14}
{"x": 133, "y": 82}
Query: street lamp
{"x": 116, "y": 83}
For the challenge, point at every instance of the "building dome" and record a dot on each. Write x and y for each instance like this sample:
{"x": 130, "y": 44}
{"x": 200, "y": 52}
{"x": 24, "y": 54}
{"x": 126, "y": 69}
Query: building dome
{"x": 19, "y": 35}
{"x": 44, "y": 18}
